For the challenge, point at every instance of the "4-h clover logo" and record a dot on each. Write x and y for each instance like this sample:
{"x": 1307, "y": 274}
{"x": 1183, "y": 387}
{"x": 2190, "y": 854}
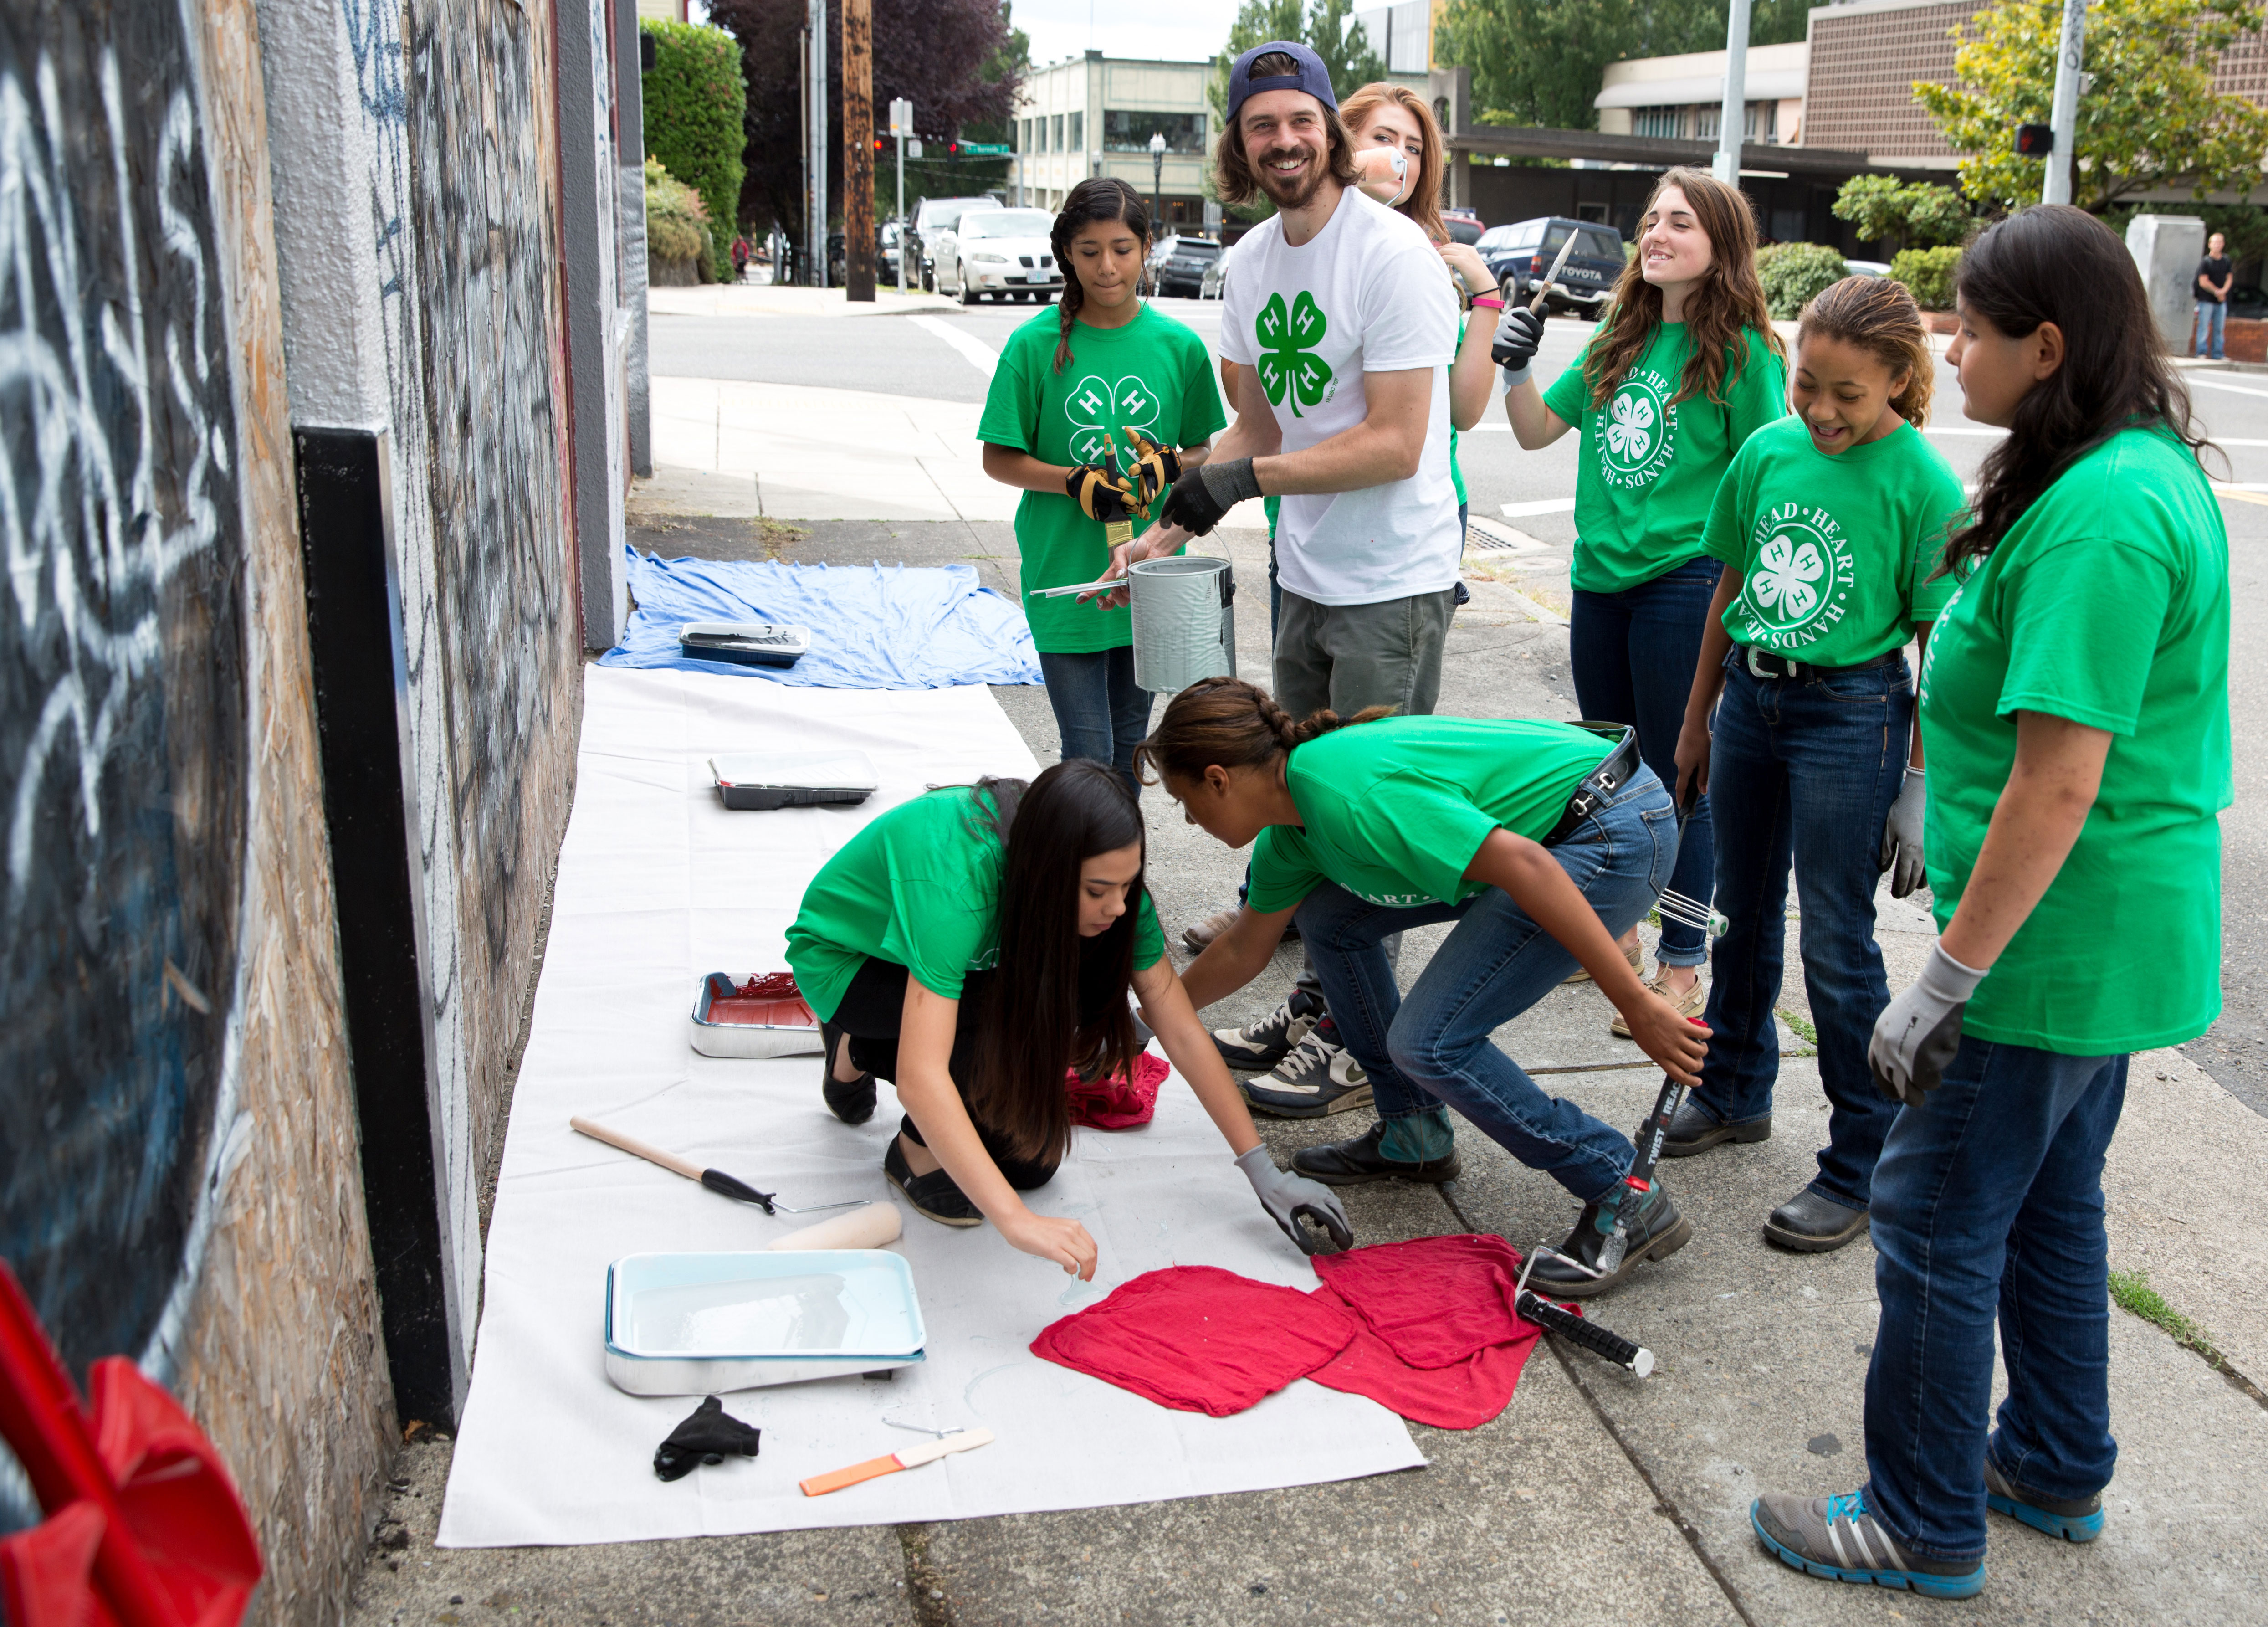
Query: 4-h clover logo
{"x": 1638, "y": 432}
{"x": 1288, "y": 363}
{"x": 1096, "y": 408}
{"x": 1799, "y": 570}
{"x": 1630, "y": 436}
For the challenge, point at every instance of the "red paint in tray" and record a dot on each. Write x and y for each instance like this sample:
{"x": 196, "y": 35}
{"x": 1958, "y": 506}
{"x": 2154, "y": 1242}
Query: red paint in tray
{"x": 769, "y": 1000}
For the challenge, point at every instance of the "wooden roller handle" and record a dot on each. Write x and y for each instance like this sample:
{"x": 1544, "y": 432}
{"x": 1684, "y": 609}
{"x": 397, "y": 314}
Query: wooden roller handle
{"x": 631, "y": 1144}
{"x": 835, "y": 1479}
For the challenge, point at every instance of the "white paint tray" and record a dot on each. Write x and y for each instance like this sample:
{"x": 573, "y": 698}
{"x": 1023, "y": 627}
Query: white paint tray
{"x": 730, "y": 1020}
{"x": 701, "y": 1324}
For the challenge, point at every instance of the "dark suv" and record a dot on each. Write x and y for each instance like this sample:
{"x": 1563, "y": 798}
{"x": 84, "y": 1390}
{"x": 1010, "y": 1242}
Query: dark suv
{"x": 1178, "y": 264}
{"x": 1522, "y": 253}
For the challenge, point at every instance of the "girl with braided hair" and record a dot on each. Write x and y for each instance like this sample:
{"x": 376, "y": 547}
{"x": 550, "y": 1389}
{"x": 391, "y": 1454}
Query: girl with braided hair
{"x": 1541, "y": 841}
{"x": 1096, "y": 408}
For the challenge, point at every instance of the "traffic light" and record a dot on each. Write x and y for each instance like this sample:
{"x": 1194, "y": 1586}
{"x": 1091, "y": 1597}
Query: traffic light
{"x": 2035, "y": 140}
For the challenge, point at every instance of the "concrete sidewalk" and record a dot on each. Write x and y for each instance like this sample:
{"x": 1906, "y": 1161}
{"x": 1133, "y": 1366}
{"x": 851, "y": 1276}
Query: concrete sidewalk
{"x": 1593, "y": 1497}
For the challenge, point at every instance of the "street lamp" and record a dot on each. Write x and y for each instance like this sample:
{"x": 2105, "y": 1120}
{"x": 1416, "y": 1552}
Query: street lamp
{"x": 1157, "y": 173}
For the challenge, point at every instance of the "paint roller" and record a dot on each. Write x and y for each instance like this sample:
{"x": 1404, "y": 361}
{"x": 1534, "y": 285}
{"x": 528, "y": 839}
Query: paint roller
{"x": 731, "y": 1186}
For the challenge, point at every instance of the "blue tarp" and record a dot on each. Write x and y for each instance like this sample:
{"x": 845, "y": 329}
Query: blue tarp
{"x": 872, "y": 627}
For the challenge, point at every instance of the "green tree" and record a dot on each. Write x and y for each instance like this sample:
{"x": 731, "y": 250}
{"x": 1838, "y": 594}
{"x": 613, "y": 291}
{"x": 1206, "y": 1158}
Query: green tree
{"x": 1541, "y": 61}
{"x": 695, "y": 103}
{"x": 1883, "y": 208}
{"x": 2150, "y": 118}
{"x": 1327, "y": 26}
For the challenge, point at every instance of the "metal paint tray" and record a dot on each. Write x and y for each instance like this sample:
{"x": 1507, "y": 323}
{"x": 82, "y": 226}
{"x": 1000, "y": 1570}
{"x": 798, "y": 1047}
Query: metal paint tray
{"x": 745, "y": 644}
{"x": 793, "y": 779}
{"x": 728, "y": 1020}
{"x": 700, "y": 1324}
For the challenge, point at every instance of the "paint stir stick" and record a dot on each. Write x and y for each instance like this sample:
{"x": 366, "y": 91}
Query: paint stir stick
{"x": 911, "y": 1457}
{"x": 715, "y": 1180}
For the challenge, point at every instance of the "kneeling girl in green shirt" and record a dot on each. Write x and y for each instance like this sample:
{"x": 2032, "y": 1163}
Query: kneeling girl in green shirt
{"x": 1088, "y": 405}
{"x": 972, "y": 945}
{"x": 1540, "y": 840}
{"x": 1831, "y": 526}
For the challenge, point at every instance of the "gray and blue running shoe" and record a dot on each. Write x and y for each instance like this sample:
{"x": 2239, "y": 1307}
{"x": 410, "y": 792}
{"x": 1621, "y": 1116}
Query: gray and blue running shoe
{"x": 1836, "y": 1537}
{"x": 2074, "y": 1519}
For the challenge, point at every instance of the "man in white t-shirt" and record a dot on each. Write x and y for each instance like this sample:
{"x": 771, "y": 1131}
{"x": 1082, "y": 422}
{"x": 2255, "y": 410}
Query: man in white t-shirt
{"x": 1341, "y": 327}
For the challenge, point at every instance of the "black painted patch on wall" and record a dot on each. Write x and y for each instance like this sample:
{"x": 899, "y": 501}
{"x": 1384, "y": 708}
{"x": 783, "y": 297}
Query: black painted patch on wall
{"x": 122, "y": 665}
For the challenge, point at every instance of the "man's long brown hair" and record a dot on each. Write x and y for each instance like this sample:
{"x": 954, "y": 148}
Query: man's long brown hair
{"x": 1232, "y": 173}
{"x": 1423, "y": 201}
{"x": 1728, "y": 300}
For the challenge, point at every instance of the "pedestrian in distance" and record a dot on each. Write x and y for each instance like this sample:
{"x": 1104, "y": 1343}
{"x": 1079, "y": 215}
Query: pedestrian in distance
{"x": 2074, "y": 698}
{"x": 1539, "y": 840}
{"x": 1096, "y": 408}
{"x": 1682, "y": 369}
{"x": 973, "y": 943}
{"x": 2211, "y": 285}
{"x": 1831, "y": 527}
{"x": 1341, "y": 328}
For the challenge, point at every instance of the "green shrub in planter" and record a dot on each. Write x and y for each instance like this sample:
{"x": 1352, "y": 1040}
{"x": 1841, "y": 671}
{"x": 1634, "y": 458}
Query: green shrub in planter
{"x": 676, "y": 219}
{"x": 1793, "y": 273}
{"x": 1928, "y": 273}
{"x": 695, "y": 103}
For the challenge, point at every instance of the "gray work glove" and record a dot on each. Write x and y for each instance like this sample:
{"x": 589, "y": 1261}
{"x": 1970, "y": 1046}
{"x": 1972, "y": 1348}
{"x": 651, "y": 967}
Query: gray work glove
{"x": 1517, "y": 334}
{"x": 1919, "y": 1032}
{"x": 1288, "y": 1199}
{"x": 1902, "y": 854}
{"x": 1205, "y": 493}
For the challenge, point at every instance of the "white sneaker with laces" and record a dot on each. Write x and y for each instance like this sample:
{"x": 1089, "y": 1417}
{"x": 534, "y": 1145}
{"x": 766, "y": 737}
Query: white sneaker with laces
{"x": 1318, "y": 1078}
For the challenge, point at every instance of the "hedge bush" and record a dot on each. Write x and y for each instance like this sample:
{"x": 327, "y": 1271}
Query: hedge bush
{"x": 1791, "y": 273}
{"x": 1928, "y": 273}
{"x": 694, "y": 102}
{"x": 676, "y": 219}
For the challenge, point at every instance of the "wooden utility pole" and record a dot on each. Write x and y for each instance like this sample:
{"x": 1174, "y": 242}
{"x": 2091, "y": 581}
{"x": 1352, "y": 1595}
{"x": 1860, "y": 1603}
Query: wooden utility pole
{"x": 859, "y": 148}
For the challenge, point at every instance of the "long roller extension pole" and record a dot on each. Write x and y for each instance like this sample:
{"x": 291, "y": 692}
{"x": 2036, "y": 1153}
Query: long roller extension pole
{"x": 1635, "y": 1358}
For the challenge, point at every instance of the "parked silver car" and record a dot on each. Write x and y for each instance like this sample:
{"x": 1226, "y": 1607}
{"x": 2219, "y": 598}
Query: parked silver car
{"x": 936, "y": 221}
{"x": 1004, "y": 252}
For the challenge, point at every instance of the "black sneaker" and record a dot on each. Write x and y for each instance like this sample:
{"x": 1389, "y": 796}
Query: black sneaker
{"x": 935, "y": 1194}
{"x": 852, "y": 1101}
{"x": 1356, "y": 1163}
{"x": 1693, "y": 1129}
{"x": 1261, "y": 1044}
{"x": 1657, "y": 1231}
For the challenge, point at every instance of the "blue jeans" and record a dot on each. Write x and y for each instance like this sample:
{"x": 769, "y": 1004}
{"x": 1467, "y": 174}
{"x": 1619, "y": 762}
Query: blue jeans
{"x": 1434, "y": 1047}
{"x": 2212, "y": 315}
{"x": 1804, "y": 772}
{"x": 1101, "y": 711}
{"x": 1989, "y": 1200}
{"x": 1633, "y": 655}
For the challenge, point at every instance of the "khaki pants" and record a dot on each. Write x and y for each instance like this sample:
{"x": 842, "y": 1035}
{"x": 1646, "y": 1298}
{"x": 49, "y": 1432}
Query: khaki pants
{"x": 1347, "y": 657}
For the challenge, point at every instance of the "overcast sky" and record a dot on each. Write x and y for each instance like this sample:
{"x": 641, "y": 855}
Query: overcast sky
{"x": 1189, "y": 29}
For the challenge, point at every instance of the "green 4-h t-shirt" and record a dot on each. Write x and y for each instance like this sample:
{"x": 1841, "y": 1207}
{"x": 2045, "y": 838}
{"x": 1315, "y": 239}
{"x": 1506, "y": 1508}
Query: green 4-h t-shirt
{"x": 1394, "y": 810}
{"x": 1647, "y": 469}
{"x": 1153, "y": 375}
{"x": 919, "y": 887}
{"x": 2107, "y": 604}
{"x": 1840, "y": 548}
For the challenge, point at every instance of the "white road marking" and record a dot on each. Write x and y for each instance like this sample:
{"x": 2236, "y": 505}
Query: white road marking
{"x": 1548, "y": 506}
{"x": 980, "y": 357}
{"x": 2233, "y": 390}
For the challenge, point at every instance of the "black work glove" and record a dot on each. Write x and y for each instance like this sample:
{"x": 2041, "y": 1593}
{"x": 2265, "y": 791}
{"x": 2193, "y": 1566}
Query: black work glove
{"x": 711, "y": 1435}
{"x": 1099, "y": 491}
{"x": 1200, "y": 497}
{"x": 1156, "y": 468}
{"x": 1517, "y": 336}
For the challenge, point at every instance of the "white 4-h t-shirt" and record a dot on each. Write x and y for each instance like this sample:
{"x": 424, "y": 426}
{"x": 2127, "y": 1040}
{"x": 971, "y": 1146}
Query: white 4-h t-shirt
{"x": 1366, "y": 294}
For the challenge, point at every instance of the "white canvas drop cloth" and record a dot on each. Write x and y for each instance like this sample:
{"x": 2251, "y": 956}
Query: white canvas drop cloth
{"x": 659, "y": 884}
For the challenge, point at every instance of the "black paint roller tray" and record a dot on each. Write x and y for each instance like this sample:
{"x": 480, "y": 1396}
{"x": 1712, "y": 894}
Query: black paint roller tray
{"x": 798, "y": 779}
{"x": 747, "y": 644}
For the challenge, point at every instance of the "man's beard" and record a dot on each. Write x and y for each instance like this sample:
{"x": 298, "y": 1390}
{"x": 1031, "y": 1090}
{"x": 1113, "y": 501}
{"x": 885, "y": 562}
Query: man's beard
{"x": 1286, "y": 193}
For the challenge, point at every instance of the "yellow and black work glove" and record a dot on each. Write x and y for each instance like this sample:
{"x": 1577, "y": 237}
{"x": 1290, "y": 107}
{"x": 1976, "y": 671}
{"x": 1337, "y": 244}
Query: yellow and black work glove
{"x": 1156, "y": 468}
{"x": 1100, "y": 491}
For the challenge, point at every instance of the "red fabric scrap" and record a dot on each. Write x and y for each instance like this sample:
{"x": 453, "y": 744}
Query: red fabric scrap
{"x": 1435, "y": 1301}
{"x": 1199, "y": 1339}
{"x": 1464, "y": 1395}
{"x": 1115, "y": 1102}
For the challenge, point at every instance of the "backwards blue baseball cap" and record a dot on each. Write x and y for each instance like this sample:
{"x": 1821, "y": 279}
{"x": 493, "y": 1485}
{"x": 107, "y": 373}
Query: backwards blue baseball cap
{"x": 1312, "y": 77}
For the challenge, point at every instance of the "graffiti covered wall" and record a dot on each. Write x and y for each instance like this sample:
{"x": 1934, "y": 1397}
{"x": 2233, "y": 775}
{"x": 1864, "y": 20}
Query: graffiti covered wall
{"x": 178, "y": 1170}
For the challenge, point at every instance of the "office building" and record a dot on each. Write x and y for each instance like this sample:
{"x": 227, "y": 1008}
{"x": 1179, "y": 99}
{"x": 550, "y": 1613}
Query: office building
{"x": 1094, "y": 116}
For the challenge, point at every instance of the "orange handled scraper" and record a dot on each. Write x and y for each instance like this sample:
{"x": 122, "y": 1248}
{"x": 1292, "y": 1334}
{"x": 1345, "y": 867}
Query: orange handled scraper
{"x": 912, "y": 1457}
